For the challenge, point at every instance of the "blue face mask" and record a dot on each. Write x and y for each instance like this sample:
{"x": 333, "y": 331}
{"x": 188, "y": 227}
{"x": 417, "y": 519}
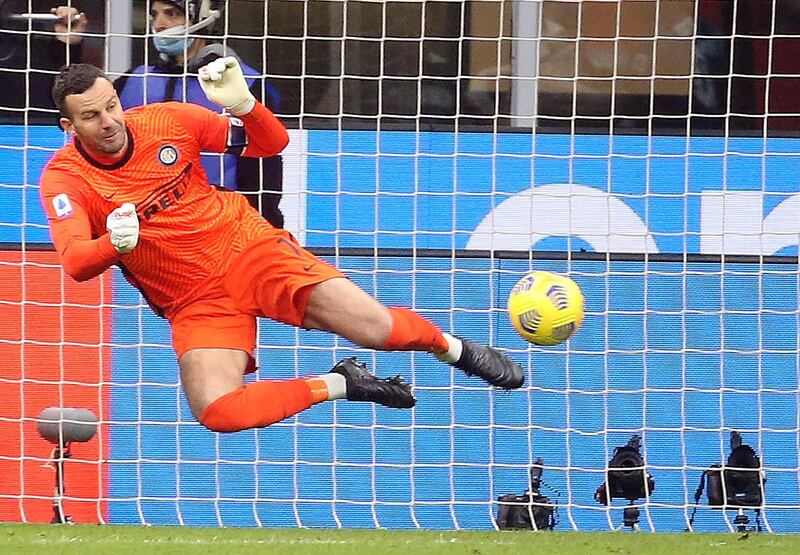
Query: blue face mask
{"x": 173, "y": 42}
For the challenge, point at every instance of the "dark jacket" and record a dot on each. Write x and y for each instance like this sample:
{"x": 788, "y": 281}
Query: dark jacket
{"x": 22, "y": 90}
{"x": 261, "y": 180}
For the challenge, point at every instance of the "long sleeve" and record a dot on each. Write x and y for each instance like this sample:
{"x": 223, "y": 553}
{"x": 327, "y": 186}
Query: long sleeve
{"x": 55, "y": 54}
{"x": 266, "y": 135}
{"x": 82, "y": 256}
{"x": 261, "y": 179}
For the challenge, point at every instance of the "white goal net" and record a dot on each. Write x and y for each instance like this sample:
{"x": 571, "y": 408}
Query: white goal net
{"x": 441, "y": 150}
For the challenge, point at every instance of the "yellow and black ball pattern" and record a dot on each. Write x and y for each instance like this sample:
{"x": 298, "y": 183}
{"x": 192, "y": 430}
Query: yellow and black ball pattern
{"x": 546, "y": 308}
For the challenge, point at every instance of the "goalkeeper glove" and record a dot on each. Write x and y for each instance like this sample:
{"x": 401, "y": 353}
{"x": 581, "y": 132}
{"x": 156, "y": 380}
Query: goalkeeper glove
{"x": 223, "y": 82}
{"x": 123, "y": 228}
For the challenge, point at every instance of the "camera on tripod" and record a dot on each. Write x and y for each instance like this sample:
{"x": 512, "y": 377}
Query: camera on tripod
{"x": 626, "y": 479}
{"x": 737, "y": 485}
{"x": 529, "y": 511}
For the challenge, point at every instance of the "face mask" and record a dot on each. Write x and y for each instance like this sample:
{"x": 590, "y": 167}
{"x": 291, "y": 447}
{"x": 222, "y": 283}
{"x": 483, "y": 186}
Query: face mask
{"x": 173, "y": 42}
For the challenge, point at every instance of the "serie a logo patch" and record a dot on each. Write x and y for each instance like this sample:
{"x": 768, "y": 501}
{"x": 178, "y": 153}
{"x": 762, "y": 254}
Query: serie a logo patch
{"x": 62, "y": 206}
{"x": 168, "y": 155}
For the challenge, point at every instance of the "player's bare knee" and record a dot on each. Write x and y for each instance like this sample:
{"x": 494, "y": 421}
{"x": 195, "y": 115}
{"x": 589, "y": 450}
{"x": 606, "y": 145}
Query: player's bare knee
{"x": 210, "y": 374}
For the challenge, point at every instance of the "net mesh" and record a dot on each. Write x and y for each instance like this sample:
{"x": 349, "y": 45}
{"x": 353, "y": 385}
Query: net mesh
{"x": 440, "y": 150}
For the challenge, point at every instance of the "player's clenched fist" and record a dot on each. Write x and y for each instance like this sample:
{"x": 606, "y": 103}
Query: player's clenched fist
{"x": 123, "y": 228}
{"x": 223, "y": 82}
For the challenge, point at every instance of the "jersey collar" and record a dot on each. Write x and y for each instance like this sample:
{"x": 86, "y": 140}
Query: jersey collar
{"x": 114, "y": 165}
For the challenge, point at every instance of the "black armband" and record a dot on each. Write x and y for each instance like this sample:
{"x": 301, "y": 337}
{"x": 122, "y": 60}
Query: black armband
{"x": 237, "y": 136}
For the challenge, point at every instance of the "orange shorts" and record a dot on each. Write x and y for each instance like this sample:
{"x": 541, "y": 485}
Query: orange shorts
{"x": 273, "y": 277}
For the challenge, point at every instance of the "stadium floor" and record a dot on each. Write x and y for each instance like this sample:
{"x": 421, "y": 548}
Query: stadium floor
{"x": 83, "y": 539}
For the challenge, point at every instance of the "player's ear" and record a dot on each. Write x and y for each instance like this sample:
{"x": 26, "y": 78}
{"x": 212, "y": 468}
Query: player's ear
{"x": 64, "y": 121}
{"x": 66, "y": 125}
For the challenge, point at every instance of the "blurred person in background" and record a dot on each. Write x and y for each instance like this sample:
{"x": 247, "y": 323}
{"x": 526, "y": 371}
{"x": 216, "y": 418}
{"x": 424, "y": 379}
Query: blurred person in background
{"x": 26, "y": 84}
{"x": 181, "y": 52}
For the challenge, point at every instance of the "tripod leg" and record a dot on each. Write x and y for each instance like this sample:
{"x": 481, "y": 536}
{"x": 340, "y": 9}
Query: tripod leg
{"x": 60, "y": 454}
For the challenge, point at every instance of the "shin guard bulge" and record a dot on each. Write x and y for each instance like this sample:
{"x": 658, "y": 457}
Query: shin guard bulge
{"x": 257, "y": 405}
{"x": 412, "y": 332}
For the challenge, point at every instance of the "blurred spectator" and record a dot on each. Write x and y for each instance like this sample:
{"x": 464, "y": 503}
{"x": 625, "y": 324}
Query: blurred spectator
{"x": 29, "y": 91}
{"x": 181, "y": 52}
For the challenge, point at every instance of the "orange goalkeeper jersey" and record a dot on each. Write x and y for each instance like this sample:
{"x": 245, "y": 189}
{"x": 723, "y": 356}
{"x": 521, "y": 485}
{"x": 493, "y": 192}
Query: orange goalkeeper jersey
{"x": 189, "y": 230}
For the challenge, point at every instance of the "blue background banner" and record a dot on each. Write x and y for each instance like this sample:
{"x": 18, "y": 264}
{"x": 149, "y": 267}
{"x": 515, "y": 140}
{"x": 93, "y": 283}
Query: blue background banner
{"x": 679, "y": 353}
{"x": 432, "y": 190}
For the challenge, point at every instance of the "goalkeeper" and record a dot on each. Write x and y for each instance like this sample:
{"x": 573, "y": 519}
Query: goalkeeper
{"x": 130, "y": 190}
{"x": 260, "y": 180}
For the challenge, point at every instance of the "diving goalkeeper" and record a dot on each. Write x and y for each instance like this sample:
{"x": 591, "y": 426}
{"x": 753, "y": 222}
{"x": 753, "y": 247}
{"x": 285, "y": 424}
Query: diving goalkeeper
{"x": 130, "y": 190}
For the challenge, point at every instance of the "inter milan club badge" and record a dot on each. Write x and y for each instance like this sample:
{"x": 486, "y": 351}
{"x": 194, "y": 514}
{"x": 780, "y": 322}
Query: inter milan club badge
{"x": 167, "y": 155}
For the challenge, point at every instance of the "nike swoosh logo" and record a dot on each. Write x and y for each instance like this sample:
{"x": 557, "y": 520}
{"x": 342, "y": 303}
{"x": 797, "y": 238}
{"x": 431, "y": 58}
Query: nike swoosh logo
{"x": 307, "y": 268}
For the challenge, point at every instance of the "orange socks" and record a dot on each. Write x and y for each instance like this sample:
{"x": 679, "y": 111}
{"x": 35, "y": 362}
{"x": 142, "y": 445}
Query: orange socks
{"x": 412, "y": 332}
{"x": 260, "y": 404}
{"x": 263, "y": 403}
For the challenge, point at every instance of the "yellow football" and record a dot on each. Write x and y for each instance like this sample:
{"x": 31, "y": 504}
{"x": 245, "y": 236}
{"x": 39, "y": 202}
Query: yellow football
{"x": 546, "y": 308}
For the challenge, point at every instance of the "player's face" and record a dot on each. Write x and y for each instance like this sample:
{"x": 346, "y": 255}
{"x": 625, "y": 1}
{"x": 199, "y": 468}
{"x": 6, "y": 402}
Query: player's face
{"x": 165, "y": 15}
{"x": 97, "y": 120}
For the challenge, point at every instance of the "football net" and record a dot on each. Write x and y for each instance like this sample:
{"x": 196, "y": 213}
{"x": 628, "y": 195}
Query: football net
{"x": 440, "y": 151}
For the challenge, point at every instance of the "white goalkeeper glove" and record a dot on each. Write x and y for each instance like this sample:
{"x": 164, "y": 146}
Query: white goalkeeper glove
{"x": 123, "y": 228}
{"x": 223, "y": 82}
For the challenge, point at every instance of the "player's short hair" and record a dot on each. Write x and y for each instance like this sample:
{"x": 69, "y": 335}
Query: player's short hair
{"x": 74, "y": 79}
